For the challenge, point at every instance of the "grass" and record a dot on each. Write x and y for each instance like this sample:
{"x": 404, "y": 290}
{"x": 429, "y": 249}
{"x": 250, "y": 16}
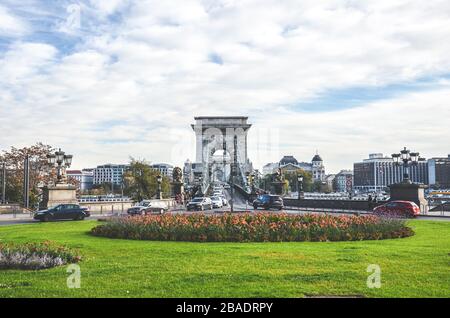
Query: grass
{"x": 417, "y": 266}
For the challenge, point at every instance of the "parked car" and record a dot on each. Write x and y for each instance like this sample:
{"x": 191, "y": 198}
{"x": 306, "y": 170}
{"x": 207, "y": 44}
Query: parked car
{"x": 62, "y": 212}
{"x": 147, "y": 207}
{"x": 199, "y": 204}
{"x": 398, "y": 209}
{"x": 216, "y": 202}
{"x": 268, "y": 201}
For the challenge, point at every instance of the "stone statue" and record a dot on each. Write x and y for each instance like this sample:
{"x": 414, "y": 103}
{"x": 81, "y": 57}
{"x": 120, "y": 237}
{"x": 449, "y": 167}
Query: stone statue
{"x": 177, "y": 175}
{"x": 279, "y": 176}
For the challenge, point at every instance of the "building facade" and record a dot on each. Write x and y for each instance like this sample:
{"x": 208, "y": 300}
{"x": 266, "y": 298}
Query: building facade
{"x": 329, "y": 180}
{"x": 87, "y": 179}
{"x": 76, "y": 175}
{"x": 192, "y": 172}
{"x": 378, "y": 172}
{"x": 290, "y": 164}
{"x": 164, "y": 169}
{"x": 439, "y": 172}
{"x": 343, "y": 181}
{"x": 317, "y": 168}
{"x": 269, "y": 168}
{"x": 109, "y": 173}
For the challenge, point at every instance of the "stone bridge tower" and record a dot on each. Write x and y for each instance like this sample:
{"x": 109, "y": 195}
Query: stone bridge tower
{"x": 219, "y": 142}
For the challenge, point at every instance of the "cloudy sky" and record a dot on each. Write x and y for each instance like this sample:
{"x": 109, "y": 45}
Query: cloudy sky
{"x": 106, "y": 80}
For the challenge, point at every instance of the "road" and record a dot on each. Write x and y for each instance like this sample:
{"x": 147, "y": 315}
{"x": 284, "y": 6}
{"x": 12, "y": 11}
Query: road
{"x": 240, "y": 205}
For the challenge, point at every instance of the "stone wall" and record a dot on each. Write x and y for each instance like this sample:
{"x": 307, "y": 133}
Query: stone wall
{"x": 10, "y": 208}
{"x": 107, "y": 207}
{"x": 122, "y": 207}
{"x": 355, "y": 205}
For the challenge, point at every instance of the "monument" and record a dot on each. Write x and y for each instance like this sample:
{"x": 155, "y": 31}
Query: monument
{"x": 278, "y": 182}
{"x": 220, "y": 143}
{"x": 177, "y": 184}
{"x": 61, "y": 192}
{"x": 407, "y": 190}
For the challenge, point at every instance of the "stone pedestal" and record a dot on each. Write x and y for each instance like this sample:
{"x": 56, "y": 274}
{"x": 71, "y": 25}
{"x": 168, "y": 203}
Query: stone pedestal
{"x": 410, "y": 192}
{"x": 278, "y": 187}
{"x": 177, "y": 189}
{"x": 59, "y": 194}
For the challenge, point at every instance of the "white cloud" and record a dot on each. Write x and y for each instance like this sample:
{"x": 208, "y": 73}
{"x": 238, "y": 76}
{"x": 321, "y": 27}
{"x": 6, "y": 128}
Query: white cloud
{"x": 11, "y": 25}
{"x": 134, "y": 83}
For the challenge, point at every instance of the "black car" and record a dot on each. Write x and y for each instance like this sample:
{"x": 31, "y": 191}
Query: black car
{"x": 268, "y": 201}
{"x": 62, "y": 212}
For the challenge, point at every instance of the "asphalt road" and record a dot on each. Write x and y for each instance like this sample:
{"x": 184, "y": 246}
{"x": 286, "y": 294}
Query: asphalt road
{"x": 240, "y": 205}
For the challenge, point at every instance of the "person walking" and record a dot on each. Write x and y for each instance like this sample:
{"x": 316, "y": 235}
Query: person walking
{"x": 369, "y": 200}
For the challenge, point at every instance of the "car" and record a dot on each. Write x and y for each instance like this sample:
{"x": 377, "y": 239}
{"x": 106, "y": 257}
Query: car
{"x": 62, "y": 212}
{"x": 155, "y": 209}
{"x": 406, "y": 209}
{"x": 226, "y": 186}
{"x": 224, "y": 200}
{"x": 216, "y": 202}
{"x": 199, "y": 204}
{"x": 146, "y": 207}
{"x": 268, "y": 201}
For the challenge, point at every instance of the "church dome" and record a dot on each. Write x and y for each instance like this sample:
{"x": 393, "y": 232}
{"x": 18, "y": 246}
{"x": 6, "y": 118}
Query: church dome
{"x": 317, "y": 158}
{"x": 288, "y": 160}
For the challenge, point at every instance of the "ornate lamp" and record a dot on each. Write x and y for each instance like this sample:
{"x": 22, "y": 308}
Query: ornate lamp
{"x": 406, "y": 158}
{"x": 300, "y": 186}
{"x": 61, "y": 161}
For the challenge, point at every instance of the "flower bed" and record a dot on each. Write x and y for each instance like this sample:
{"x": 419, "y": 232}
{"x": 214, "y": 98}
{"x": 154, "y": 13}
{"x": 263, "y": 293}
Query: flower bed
{"x": 35, "y": 255}
{"x": 256, "y": 227}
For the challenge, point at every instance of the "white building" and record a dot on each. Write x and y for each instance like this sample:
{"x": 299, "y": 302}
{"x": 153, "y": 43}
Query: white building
{"x": 164, "y": 169}
{"x": 270, "y": 168}
{"x": 192, "y": 171}
{"x": 289, "y": 163}
{"x": 109, "y": 173}
{"x": 329, "y": 180}
{"x": 75, "y": 175}
{"x": 317, "y": 168}
{"x": 84, "y": 178}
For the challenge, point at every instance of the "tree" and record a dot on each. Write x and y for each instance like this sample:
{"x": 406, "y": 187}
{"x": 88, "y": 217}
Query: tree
{"x": 39, "y": 172}
{"x": 140, "y": 181}
{"x": 323, "y": 187}
{"x": 291, "y": 177}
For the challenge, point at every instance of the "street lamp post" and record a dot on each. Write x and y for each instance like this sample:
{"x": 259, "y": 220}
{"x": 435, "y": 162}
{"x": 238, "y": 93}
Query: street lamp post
{"x": 200, "y": 182}
{"x": 61, "y": 161}
{"x": 406, "y": 158}
{"x": 159, "y": 180}
{"x": 300, "y": 186}
{"x": 4, "y": 182}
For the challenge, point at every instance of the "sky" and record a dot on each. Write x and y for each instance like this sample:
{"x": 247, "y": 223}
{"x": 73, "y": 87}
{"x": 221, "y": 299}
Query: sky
{"x": 110, "y": 80}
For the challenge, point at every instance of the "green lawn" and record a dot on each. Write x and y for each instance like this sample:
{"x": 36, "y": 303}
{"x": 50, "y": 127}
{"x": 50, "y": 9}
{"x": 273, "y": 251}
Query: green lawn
{"x": 418, "y": 266}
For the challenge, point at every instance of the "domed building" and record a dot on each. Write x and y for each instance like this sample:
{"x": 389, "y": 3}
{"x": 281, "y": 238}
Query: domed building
{"x": 318, "y": 169}
{"x": 288, "y": 160}
{"x": 289, "y": 164}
